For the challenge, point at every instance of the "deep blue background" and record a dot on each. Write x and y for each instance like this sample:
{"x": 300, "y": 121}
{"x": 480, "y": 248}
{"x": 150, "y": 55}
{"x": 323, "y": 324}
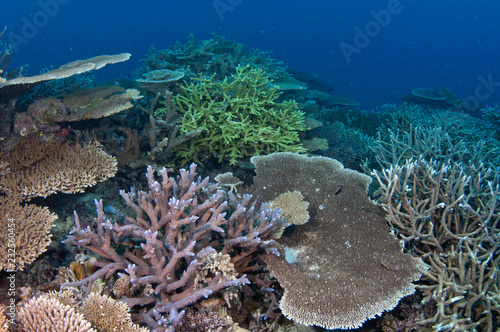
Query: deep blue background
{"x": 429, "y": 44}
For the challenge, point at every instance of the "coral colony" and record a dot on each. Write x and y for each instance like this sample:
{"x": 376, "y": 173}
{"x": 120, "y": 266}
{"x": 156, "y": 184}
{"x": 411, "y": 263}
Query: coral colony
{"x": 267, "y": 201}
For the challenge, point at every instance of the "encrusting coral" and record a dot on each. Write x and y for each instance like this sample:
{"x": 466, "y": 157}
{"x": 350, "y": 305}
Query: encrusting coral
{"x": 343, "y": 266}
{"x": 240, "y": 117}
{"x": 176, "y": 226}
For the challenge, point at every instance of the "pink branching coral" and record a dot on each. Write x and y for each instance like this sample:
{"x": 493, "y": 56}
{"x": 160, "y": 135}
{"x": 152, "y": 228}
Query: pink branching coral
{"x": 177, "y": 224}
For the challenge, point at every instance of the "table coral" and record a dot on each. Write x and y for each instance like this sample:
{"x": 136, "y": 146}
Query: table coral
{"x": 342, "y": 267}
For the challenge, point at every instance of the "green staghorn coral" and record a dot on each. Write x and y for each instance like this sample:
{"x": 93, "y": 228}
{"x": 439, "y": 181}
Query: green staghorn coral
{"x": 240, "y": 117}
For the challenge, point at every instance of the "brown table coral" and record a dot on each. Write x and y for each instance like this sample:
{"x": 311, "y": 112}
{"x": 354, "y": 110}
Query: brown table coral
{"x": 343, "y": 266}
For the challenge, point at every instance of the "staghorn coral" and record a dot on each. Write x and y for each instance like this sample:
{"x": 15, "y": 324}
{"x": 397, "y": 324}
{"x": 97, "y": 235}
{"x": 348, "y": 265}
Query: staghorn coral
{"x": 413, "y": 132}
{"x": 24, "y": 233}
{"x": 48, "y": 315}
{"x": 39, "y": 168}
{"x": 448, "y": 214}
{"x": 348, "y": 267}
{"x": 433, "y": 206}
{"x": 240, "y": 117}
{"x": 177, "y": 224}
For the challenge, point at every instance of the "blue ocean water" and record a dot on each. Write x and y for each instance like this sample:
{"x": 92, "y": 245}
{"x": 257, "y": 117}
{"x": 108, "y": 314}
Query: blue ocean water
{"x": 372, "y": 51}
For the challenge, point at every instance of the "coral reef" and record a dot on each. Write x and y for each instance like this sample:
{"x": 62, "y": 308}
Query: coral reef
{"x": 67, "y": 70}
{"x": 160, "y": 81}
{"x": 5, "y": 58}
{"x": 448, "y": 214}
{"x": 24, "y": 233}
{"x": 412, "y": 132}
{"x": 96, "y": 103}
{"x": 48, "y": 315}
{"x": 216, "y": 56}
{"x": 240, "y": 117}
{"x": 108, "y": 315}
{"x": 176, "y": 226}
{"x": 441, "y": 99}
{"x": 39, "y": 168}
{"x": 347, "y": 268}
{"x": 183, "y": 254}
{"x": 294, "y": 207}
{"x": 492, "y": 114}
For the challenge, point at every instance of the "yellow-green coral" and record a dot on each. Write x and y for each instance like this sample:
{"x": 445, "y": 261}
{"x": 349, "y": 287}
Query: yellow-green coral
{"x": 240, "y": 117}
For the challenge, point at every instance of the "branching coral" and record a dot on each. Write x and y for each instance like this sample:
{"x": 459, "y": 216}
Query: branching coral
{"x": 217, "y": 56}
{"x": 177, "y": 224}
{"x": 240, "y": 117}
{"x": 409, "y": 132}
{"x": 448, "y": 214}
{"x": 492, "y": 114}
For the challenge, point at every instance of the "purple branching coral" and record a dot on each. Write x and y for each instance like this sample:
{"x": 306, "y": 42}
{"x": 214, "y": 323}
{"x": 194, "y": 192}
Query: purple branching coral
{"x": 177, "y": 224}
